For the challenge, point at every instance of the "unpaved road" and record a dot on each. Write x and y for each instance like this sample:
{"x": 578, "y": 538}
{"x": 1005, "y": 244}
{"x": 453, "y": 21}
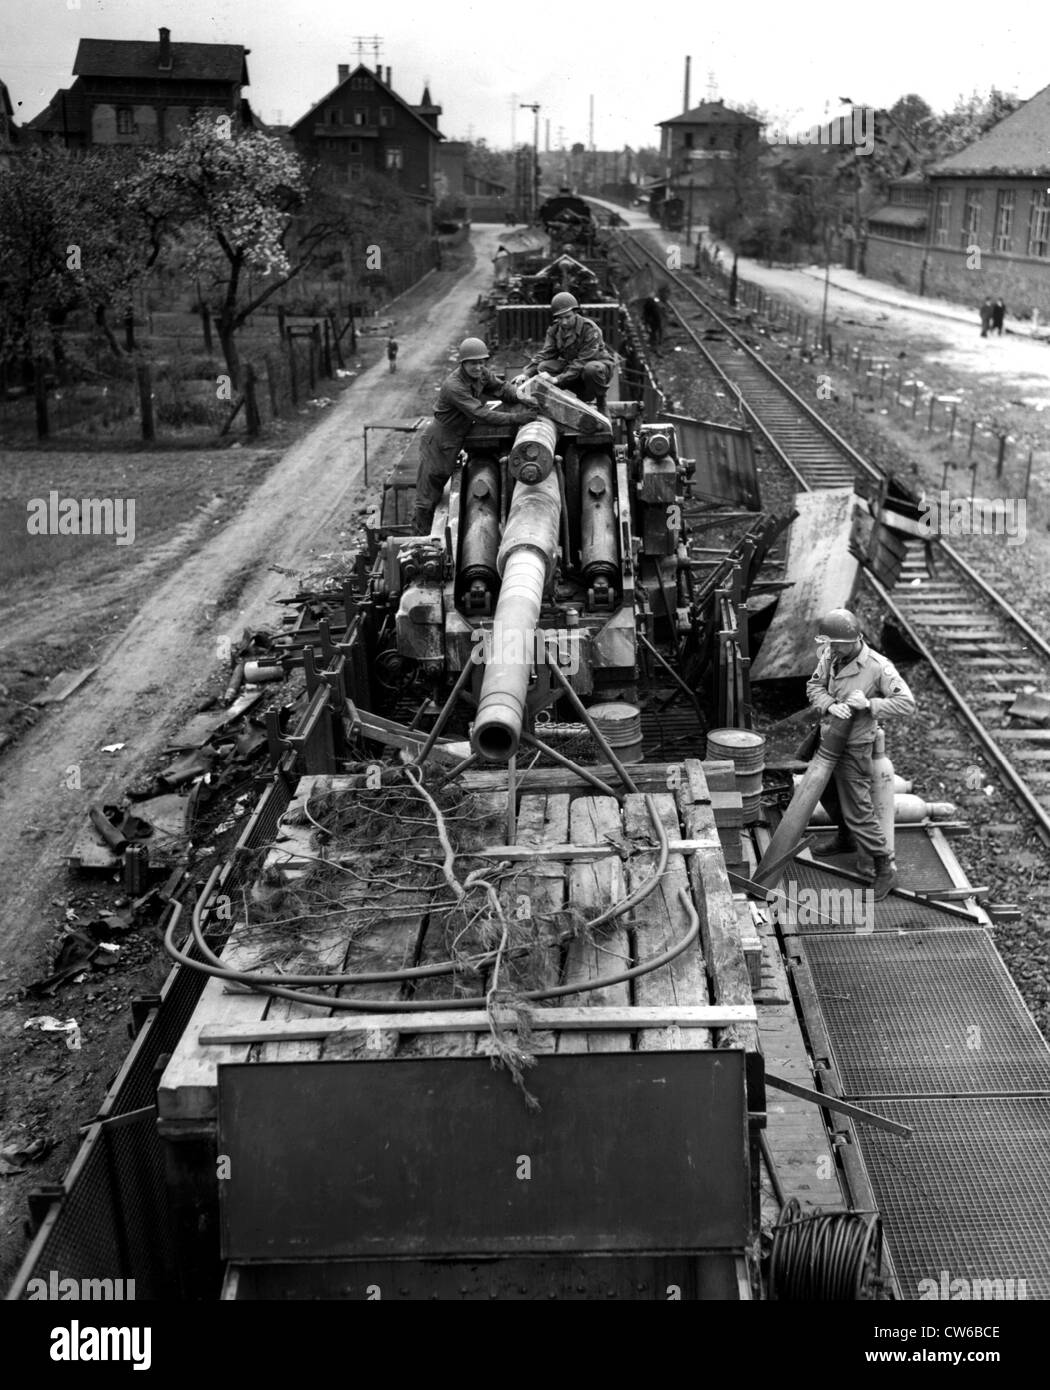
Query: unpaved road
{"x": 155, "y": 668}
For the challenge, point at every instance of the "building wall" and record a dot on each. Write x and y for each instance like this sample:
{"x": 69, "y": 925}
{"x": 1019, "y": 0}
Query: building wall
{"x": 896, "y": 262}
{"x": 1022, "y": 284}
{"x": 156, "y": 112}
{"x": 361, "y": 130}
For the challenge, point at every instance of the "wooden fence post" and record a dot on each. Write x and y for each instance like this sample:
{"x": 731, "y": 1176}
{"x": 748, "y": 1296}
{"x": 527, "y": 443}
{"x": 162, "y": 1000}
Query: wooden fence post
{"x": 951, "y": 427}
{"x": 291, "y": 371}
{"x": 281, "y": 331}
{"x": 144, "y": 377}
{"x": 313, "y": 359}
{"x": 973, "y": 431}
{"x": 251, "y": 403}
{"x": 327, "y": 351}
{"x": 1002, "y": 456}
{"x": 271, "y": 386}
{"x": 40, "y": 398}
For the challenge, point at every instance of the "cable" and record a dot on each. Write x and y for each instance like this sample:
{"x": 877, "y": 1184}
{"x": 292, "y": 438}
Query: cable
{"x": 826, "y": 1256}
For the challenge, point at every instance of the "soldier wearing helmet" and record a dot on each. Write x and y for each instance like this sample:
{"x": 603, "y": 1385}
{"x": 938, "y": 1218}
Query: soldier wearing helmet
{"x": 573, "y": 353}
{"x": 856, "y": 683}
{"x": 461, "y": 402}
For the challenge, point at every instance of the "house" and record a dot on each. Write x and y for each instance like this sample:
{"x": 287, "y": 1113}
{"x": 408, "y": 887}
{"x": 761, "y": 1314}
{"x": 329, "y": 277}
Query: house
{"x": 140, "y": 91}
{"x": 987, "y": 220}
{"x": 692, "y": 146}
{"x": 8, "y": 129}
{"x": 476, "y": 198}
{"x": 363, "y": 126}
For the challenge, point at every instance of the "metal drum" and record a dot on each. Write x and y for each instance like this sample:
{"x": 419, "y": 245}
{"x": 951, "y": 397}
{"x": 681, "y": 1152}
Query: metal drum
{"x": 620, "y": 724}
{"x": 746, "y": 750}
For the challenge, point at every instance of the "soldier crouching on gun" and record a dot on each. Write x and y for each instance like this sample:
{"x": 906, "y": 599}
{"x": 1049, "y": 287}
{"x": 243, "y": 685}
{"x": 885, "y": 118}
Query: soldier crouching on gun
{"x": 856, "y": 683}
{"x": 461, "y": 402}
{"x": 573, "y": 353}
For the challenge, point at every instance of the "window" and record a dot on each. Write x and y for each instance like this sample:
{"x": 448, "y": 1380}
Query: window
{"x": 1004, "y": 220}
{"x": 971, "y": 228}
{"x": 711, "y": 141}
{"x": 361, "y": 84}
{"x": 393, "y": 157}
{"x": 360, "y": 115}
{"x": 356, "y": 172}
{"x": 355, "y": 146}
{"x": 125, "y": 120}
{"x": 386, "y": 115}
{"x": 335, "y": 117}
{"x": 1039, "y": 224}
{"x": 689, "y": 139}
{"x": 944, "y": 207}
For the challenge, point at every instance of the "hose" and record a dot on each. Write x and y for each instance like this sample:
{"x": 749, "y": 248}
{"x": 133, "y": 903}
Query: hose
{"x": 277, "y": 985}
{"x": 824, "y": 1257}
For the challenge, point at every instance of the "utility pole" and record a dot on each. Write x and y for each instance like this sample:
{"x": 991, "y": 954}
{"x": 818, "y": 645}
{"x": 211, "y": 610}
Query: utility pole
{"x": 534, "y": 107}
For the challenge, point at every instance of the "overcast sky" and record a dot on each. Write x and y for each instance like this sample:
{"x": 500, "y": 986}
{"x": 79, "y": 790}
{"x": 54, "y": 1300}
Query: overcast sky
{"x": 794, "y": 60}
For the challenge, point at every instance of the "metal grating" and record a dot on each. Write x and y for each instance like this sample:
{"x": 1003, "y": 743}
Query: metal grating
{"x": 925, "y": 1013}
{"x": 841, "y": 914}
{"x": 967, "y": 1197}
{"x": 920, "y": 866}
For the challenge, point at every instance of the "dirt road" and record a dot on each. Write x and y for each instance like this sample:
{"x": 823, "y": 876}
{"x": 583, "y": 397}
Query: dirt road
{"x": 153, "y": 670}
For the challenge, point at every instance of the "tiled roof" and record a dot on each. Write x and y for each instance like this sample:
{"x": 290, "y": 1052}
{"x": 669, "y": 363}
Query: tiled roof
{"x": 1017, "y": 146}
{"x": 201, "y": 62}
{"x": 893, "y": 215}
{"x": 711, "y": 113}
{"x": 54, "y": 121}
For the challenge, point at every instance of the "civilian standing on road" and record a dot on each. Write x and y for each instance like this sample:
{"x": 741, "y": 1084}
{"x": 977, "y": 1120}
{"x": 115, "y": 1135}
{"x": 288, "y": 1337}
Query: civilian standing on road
{"x": 998, "y": 315}
{"x": 391, "y": 353}
{"x": 986, "y": 317}
{"x": 460, "y": 403}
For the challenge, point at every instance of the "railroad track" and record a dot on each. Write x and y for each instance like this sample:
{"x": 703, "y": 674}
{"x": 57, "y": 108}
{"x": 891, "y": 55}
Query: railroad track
{"x": 981, "y": 650}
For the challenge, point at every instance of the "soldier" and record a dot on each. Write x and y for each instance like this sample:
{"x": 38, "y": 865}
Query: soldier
{"x": 460, "y": 403}
{"x": 856, "y": 683}
{"x": 573, "y": 353}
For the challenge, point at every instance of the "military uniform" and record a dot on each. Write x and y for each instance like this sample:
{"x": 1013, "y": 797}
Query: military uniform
{"x": 574, "y": 352}
{"x": 833, "y": 681}
{"x": 460, "y": 403}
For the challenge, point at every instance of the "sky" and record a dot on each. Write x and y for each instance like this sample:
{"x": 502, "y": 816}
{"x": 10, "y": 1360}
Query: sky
{"x": 481, "y": 61}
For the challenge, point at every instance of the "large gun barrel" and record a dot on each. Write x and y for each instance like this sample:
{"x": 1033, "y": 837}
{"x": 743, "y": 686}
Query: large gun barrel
{"x": 526, "y": 564}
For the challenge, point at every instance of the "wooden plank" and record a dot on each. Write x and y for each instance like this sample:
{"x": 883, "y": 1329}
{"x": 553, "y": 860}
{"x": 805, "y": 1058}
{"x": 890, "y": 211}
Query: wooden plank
{"x": 541, "y": 818}
{"x": 188, "y": 1088}
{"x": 713, "y": 899}
{"x": 488, "y": 823}
{"x": 536, "y": 854}
{"x": 822, "y": 572}
{"x": 63, "y": 686}
{"x": 658, "y": 923}
{"x": 592, "y": 889}
{"x": 688, "y": 1018}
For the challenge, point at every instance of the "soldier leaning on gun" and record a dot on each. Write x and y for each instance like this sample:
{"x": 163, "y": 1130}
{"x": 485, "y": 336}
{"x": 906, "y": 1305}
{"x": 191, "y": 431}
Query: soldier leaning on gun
{"x": 856, "y": 683}
{"x": 461, "y": 402}
{"x": 573, "y": 353}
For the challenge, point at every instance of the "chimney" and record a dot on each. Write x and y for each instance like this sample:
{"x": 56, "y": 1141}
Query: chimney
{"x": 379, "y": 71}
{"x": 164, "y": 56}
{"x": 344, "y": 71}
{"x": 685, "y": 94}
{"x": 388, "y": 77}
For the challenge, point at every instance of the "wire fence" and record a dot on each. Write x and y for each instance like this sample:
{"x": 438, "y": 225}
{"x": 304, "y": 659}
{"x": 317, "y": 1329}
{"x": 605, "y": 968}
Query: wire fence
{"x": 983, "y": 457}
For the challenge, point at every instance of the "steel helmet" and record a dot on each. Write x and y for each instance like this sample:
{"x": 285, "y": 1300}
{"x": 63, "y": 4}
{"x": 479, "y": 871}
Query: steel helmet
{"x": 473, "y": 350}
{"x": 563, "y": 301}
{"x": 838, "y": 626}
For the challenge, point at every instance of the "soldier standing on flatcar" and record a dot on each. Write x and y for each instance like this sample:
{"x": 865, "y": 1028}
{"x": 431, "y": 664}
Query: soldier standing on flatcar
{"x": 854, "y": 682}
{"x": 461, "y": 402}
{"x": 573, "y": 353}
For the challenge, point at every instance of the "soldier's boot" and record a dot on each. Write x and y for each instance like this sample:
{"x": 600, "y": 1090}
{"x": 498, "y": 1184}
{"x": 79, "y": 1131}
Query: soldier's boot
{"x": 843, "y": 843}
{"x": 885, "y": 877}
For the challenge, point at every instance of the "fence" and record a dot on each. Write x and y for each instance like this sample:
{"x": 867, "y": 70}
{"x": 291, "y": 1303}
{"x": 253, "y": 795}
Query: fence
{"x": 984, "y": 454}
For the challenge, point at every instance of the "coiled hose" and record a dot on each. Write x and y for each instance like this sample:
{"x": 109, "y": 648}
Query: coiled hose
{"x": 827, "y": 1257}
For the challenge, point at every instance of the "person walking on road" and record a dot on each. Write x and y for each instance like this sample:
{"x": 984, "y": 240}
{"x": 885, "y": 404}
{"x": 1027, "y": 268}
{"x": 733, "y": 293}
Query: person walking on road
{"x": 461, "y": 402}
{"x": 391, "y": 353}
{"x": 986, "y": 317}
{"x": 998, "y": 315}
{"x": 854, "y": 682}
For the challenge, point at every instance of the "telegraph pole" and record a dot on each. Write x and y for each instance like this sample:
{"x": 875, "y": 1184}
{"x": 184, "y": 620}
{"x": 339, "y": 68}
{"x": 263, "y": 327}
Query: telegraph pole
{"x": 534, "y": 107}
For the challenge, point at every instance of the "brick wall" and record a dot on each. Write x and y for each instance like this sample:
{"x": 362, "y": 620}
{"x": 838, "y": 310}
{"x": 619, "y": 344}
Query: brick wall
{"x": 894, "y": 262}
{"x": 1023, "y": 284}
